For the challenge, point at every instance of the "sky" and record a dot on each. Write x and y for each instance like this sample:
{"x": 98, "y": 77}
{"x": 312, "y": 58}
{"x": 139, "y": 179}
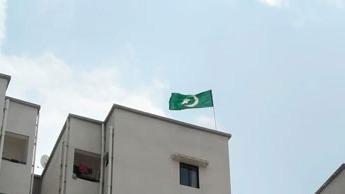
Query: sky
{"x": 276, "y": 68}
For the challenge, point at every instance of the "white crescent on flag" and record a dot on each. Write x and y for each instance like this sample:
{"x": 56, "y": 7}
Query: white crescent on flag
{"x": 196, "y": 101}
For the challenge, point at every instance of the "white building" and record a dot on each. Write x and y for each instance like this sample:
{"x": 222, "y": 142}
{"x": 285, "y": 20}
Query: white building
{"x": 335, "y": 184}
{"x": 18, "y": 131}
{"x": 133, "y": 152}
{"x": 130, "y": 152}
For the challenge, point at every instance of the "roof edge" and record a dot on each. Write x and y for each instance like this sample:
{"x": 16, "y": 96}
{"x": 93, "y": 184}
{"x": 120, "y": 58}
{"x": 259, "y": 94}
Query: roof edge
{"x": 23, "y": 102}
{"x": 7, "y": 77}
{"x": 331, "y": 178}
{"x": 205, "y": 129}
{"x": 85, "y": 118}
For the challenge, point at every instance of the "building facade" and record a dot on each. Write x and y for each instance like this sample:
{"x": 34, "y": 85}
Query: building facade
{"x": 18, "y": 134}
{"x": 79, "y": 142}
{"x": 136, "y": 152}
{"x": 335, "y": 184}
{"x": 129, "y": 152}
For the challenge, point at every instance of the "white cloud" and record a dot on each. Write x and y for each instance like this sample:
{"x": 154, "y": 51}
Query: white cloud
{"x": 285, "y": 3}
{"x": 3, "y": 8}
{"x": 60, "y": 90}
{"x": 335, "y": 3}
{"x": 275, "y": 3}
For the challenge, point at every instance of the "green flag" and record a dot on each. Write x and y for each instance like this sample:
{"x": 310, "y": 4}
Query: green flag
{"x": 181, "y": 101}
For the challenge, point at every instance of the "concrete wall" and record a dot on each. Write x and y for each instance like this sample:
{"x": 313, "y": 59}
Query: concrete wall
{"x": 3, "y": 88}
{"x": 51, "y": 178}
{"x": 86, "y": 136}
{"x": 37, "y": 185}
{"x": 337, "y": 186}
{"x": 108, "y": 125}
{"x": 83, "y": 135}
{"x": 3, "y": 84}
{"x": 15, "y": 177}
{"x": 143, "y": 147}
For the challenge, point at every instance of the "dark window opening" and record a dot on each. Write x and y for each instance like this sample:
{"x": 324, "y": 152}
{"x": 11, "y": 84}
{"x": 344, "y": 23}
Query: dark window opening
{"x": 86, "y": 165}
{"x": 15, "y": 148}
{"x": 189, "y": 175}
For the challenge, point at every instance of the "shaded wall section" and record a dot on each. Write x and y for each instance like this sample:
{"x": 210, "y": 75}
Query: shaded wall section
{"x": 37, "y": 185}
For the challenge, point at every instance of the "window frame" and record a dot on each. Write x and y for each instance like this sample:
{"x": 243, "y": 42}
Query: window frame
{"x": 190, "y": 168}
{"x": 25, "y": 150}
{"x": 89, "y": 154}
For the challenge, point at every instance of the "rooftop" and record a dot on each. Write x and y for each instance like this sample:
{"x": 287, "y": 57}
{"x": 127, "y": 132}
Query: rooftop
{"x": 24, "y": 102}
{"x": 138, "y": 112}
{"x": 7, "y": 77}
{"x": 331, "y": 178}
{"x": 205, "y": 129}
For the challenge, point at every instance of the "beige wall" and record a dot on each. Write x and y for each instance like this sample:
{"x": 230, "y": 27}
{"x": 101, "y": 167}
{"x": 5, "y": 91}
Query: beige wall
{"x": 143, "y": 147}
{"x": 108, "y": 125}
{"x": 84, "y": 136}
{"x": 337, "y": 186}
{"x": 3, "y": 88}
{"x": 51, "y": 178}
{"x": 3, "y": 84}
{"x": 14, "y": 177}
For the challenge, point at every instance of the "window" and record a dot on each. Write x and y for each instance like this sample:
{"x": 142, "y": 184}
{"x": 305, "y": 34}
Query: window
{"x": 189, "y": 175}
{"x": 86, "y": 165}
{"x": 15, "y": 148}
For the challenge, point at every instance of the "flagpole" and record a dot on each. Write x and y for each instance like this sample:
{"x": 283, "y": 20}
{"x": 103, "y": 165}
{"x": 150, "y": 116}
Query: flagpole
{"x": 214, "y": 112}
{"x": 214, "y": 117}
